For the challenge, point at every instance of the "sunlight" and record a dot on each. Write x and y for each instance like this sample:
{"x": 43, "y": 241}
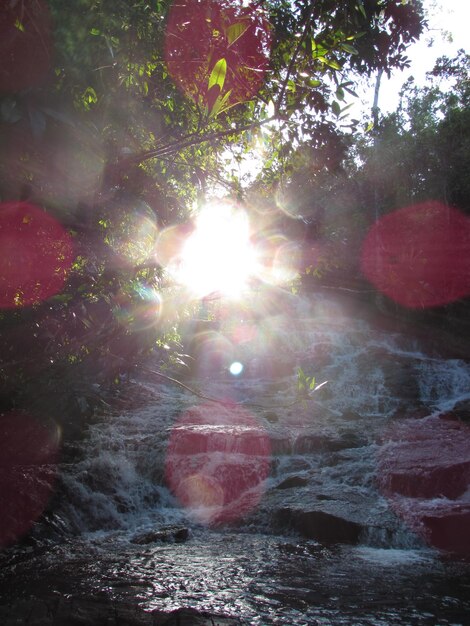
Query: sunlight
{"x": 218, "y": 256}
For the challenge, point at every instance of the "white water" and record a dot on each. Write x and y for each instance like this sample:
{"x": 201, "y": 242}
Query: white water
{"x": 258, "y": 570}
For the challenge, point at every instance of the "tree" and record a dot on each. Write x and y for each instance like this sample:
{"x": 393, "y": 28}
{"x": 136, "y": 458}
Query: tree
{"x": 126, "y": 121}
{"x": 422, "y": 151}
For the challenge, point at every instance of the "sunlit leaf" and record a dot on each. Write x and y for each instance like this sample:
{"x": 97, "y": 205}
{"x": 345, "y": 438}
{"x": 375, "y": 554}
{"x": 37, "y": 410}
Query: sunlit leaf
{"x": 220, "y": 104}
{"x": 218, "y": 74}
{"x": 235, "y": 31}
{"x": 19, "y": 25}
{"x": 332, "y": 63}
{"x": 212, "y": 96}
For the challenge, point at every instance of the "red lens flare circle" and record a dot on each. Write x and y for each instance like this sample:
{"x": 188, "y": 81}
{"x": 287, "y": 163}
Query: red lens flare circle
{"x": 218, "y": 458}
{"x": 28, "y": 457}
{"x": 35, "y": 254}
{"x": 424, "y": 471}
{"x": 217, "y": 52}
{"x": 25, "y": 44}
{"x": 419, "y": 256}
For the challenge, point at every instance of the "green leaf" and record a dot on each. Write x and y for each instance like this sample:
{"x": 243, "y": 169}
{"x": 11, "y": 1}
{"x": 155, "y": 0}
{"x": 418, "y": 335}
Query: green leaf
{"x": 332, "y": 63}
{"x": 218, "y": 74}
{"x": 235, "y": 31}
{"x": 336, "y": 108}
{"x": 19, "y": 25}
{"x": 220, "y": 104}
{"x": 95, "y": 31}
{"x": 340, "y": 93}
{"x": 348, "y": 48}
{"x": 352, "y": 92}
{"x": 360, "y": 7}
{"x": 211, "y": 98}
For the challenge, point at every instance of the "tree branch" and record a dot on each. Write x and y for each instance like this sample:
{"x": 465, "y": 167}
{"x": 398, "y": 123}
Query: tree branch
{"x": 193, "y": 140}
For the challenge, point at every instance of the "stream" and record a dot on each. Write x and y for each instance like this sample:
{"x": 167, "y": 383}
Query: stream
{"x": 351, "y": 507}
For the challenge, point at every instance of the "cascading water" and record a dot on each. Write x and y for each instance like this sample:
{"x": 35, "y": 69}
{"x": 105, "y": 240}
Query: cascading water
{"x": 296, "y": 513}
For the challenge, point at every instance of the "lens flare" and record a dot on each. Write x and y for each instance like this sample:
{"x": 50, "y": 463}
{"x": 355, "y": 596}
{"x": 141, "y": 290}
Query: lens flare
{"x": 35, "y": 255}
{"x": 218, "y": 458}
{"x": 218, "y": 256}
{"x": 217, "y": 52}
{"x": 25, "y": 44}
{"x": 236, "y": 368}
{"x": 28, "y": 457}
{"x": 424, "y": 471}
{"x": 419, "y": 256}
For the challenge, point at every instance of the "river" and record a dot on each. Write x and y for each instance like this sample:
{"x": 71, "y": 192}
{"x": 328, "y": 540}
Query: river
{"x": 349, "y": 508}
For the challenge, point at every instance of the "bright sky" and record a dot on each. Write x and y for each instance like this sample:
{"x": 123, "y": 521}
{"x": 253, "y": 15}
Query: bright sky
{"x": 448, "y": 22}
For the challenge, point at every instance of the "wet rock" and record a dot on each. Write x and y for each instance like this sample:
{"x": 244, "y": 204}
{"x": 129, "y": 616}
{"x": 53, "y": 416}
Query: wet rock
{"x": 321, "y": 526}
{"x": 424, "y": 470}
{"x": 101, "y": 611}
{"x": 176, "y": 534}
{"x": 327, "y": 443}
{"x": 426, "y": 459}
{"x": 192, "y": 617}
{"x": 461, "y": 411}
{"x": 293, "y": 481}
{"x": 448, "y": 530}
{"x": 271, "y": 417}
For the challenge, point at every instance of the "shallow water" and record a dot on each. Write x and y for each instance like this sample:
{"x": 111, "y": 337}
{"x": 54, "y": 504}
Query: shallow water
{"x": 258, "y": 568}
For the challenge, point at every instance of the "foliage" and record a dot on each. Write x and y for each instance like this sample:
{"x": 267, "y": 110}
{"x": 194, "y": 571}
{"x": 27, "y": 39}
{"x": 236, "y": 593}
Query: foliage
{"x": 422, "y": 151}
{"x": 109, "y": 140}
{"x": 418, "y": 154}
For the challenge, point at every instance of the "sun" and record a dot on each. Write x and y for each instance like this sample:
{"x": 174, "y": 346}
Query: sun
{"x": 218, "y": 256}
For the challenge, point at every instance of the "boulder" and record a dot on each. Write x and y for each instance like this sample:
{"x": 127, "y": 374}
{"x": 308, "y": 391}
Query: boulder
{"x": 193, "y": 617}
{"x": 176, "y": 534}
{"x": 293, "y": 481}
{"x": 424, "y": 470}
{"x": 321, "y": 526}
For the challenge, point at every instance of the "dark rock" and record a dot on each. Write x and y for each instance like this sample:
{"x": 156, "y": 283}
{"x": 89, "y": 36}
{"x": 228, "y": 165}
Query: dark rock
{"x": 272, "y": 417}
{"x": 444, "y": 480}
{"x": 293, "y": 481}
{"x": 312, "y": 442}
{"x": 101, "y": 611}
{"x": 462, "y": 411}
{"x": 449, "y": 530}
{"x": 321, "y": 526}
{"x": 192, "y": 617}
{"x": 176, "y": 534}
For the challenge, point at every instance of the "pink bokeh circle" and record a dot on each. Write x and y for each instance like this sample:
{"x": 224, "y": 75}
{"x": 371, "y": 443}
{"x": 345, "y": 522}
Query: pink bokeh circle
{"x": 218, "y": 459}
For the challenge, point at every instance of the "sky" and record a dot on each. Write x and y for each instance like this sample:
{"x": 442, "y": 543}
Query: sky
{"x": 448, "y": 22}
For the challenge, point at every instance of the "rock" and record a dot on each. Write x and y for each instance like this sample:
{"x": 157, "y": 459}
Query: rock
{"x": 293, "y": 481}
{"x": 176, "y": 534}
{"x": 96, "y": 611}
{"x": 426, "y": 459}
{"x": 462, "y": 411}
{"x": 288, "y": 442}
{"x": 327, "y": 442}
{"x": 271, "y": 417}
{"x": 192, "y": 617}
{"x": 449, "y": 530}
{"x": 424, "y": 470}
{"x": 321, "y": 526}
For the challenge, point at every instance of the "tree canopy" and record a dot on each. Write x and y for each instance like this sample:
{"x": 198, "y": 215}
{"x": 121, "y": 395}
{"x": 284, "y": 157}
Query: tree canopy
{"x": 116, "y": 118}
